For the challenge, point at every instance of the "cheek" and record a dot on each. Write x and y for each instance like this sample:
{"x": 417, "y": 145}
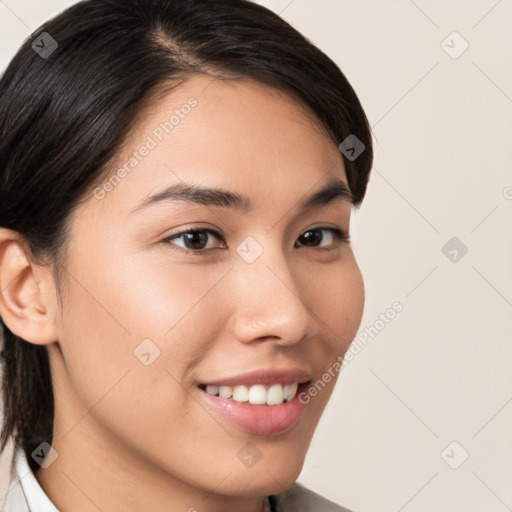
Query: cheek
{"x": 132, "y": 313}
{"x": 337, "y": 299}
{"x": 105, "y": 340}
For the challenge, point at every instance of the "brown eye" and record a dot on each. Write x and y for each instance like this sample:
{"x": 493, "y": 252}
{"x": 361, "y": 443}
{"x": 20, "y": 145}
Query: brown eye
{"x": 194, "y": 240}
{"x": 313, "y": 237}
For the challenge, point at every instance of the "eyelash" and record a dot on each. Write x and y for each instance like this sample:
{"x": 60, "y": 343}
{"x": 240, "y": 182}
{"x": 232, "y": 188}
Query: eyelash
{"x": 340, "y": 236}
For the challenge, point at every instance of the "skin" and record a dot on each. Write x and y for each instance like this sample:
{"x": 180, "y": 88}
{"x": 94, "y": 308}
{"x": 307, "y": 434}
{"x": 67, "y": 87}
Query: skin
{"x": 133, "y": 437}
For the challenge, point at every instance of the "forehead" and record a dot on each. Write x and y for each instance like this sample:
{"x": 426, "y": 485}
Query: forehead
{"x": 237, "y": 135}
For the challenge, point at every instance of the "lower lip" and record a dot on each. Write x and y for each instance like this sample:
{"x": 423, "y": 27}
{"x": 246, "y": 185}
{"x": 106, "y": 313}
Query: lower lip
{"x": 262, "y": 420}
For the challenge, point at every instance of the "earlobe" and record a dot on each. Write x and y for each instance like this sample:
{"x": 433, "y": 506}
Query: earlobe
{"x": 22, "y": 301}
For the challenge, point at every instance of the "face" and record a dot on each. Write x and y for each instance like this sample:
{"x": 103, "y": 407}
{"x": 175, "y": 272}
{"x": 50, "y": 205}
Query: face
{"x": 163, "y": 296}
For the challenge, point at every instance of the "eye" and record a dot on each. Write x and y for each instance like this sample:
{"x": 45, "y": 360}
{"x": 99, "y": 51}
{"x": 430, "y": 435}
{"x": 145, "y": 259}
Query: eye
{"x": 313, "y": 235}
{"x": 195, "y": 240}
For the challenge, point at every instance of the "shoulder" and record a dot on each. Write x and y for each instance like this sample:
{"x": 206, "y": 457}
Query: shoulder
{"x": 298, "y": 497}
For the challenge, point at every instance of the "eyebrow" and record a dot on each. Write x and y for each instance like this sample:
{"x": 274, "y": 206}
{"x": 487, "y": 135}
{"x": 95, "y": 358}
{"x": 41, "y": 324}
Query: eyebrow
{"x": 333, "y": 190}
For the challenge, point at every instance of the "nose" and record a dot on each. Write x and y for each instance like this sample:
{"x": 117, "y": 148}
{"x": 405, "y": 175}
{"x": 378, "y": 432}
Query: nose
{"x": 269, "y": 302}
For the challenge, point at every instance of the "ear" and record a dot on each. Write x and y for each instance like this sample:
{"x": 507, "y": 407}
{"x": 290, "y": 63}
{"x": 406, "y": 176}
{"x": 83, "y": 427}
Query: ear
{"x": 27, "y": 293}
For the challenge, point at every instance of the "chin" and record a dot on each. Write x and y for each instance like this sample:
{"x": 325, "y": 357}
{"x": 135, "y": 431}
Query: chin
{"x": 265, "y": 479}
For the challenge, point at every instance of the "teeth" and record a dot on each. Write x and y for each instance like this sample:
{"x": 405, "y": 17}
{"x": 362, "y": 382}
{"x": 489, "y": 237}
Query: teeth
{"x": 213, "y": 390}
{"x": 241, "y": 393}
{"x": 275, "y": 394}
{"x": 225, "y": 391}
{"x": 257, "y": 394}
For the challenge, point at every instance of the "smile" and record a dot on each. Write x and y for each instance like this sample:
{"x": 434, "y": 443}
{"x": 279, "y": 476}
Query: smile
{"x": 257, "y": 394}
{"x": 258, "y": 417}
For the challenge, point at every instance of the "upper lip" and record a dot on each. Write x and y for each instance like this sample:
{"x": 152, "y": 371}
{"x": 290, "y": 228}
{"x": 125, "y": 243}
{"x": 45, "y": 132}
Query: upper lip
{"x": 263, "y": 376}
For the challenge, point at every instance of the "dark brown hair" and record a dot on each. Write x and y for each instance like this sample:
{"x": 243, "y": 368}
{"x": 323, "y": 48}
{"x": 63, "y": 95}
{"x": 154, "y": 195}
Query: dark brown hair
{"x": 64, "y": 115}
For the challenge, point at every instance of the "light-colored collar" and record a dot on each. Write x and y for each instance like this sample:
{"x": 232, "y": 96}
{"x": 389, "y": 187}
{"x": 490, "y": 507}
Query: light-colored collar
{"x": 37, "y": 499}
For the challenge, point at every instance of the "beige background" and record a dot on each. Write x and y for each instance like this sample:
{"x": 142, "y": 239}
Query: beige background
{"x": 440, "y": 371}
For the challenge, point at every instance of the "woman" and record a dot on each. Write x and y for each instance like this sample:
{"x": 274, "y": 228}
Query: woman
{"x": 177, "y": 282}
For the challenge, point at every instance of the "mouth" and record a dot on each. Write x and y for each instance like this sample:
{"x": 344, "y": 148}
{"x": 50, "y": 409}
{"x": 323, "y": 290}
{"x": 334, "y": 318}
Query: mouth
{"x": 257, "y": 394}
{"x": 259, "y": 409}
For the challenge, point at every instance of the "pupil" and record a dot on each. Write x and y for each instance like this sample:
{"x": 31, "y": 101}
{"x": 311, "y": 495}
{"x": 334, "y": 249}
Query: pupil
{"x": 197, "y": 234}
{"x": 312, "y": 236}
